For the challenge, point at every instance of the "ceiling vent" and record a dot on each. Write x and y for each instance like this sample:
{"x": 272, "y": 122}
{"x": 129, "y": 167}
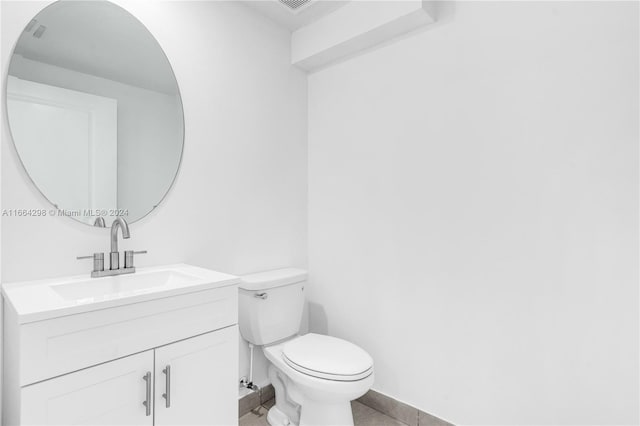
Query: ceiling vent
{"x": 295, "y": 5}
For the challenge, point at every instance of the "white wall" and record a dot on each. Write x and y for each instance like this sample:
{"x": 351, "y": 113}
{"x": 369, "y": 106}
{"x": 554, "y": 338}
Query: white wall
{"x": 473, "y": 212}
{"x": 239, "y": 203}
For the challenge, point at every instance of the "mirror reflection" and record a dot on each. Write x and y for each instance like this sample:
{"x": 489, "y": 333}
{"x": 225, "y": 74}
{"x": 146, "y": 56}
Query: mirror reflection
{"x": 95, "y": 111}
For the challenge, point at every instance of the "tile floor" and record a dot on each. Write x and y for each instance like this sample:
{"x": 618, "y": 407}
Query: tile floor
{"x": 362, "y": 416}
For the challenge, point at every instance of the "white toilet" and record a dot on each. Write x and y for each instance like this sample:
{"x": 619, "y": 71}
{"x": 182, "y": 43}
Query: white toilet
{"x": 315, "y": 377}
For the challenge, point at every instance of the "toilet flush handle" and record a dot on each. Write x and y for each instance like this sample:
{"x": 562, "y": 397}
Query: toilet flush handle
{"x": 262, "y": 296}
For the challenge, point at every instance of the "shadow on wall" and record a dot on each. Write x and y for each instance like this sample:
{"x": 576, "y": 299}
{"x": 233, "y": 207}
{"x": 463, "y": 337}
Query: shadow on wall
{"x": 318, "y": 322}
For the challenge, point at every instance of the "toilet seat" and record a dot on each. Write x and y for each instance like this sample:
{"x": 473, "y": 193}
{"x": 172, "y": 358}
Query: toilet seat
{"x": 327, "y": 358}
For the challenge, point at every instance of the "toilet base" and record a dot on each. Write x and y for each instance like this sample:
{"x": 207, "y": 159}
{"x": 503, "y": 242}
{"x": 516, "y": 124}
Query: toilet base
{"x": 275, "y": 417}
{"x": 286, "y": 411}
{"x": 290, "y": 409}
{"x": 322, "y": 414}
{"x": 314, "y": 415}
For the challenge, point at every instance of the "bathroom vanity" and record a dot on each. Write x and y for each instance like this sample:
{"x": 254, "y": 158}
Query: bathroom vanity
{"x": 155, "y": 347}
{"x": 158, "y": 346}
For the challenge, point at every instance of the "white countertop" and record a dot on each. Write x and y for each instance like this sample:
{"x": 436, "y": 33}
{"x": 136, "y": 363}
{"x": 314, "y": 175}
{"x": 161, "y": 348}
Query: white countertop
{"x": 44, "y": 299}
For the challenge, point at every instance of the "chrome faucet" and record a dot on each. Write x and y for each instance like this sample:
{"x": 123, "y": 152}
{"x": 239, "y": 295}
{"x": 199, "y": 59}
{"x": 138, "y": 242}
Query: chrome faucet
{"x": 114, "y": 255}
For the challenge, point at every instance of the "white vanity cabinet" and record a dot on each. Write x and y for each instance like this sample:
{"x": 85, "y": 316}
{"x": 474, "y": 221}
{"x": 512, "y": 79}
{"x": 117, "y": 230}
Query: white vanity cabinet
{"x": 169, "y": 358}
{"x": 201, "y": 381}
{"x": 198, "y": 382}
{"x": 108, "y": 394}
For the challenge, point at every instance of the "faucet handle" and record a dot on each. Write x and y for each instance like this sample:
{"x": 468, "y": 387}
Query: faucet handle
{"x": 128, "y": 257}
{"x": 98, "y": 261}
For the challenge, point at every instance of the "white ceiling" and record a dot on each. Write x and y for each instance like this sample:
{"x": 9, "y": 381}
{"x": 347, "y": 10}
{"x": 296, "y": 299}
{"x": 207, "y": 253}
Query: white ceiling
{"x": 101, "y": 39}
{"x": 282, "y": 15}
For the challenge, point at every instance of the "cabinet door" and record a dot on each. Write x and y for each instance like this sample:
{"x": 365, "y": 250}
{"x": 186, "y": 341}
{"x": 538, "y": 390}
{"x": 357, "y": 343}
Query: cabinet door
{"x": 107, "y": 394}
{"x": 196, "y": 380}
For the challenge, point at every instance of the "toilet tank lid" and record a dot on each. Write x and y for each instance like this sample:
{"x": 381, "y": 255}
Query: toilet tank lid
{"x": 272, "y": 279}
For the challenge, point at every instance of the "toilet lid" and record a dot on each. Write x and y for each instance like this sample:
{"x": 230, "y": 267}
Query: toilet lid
{"x": 327, "y": 357}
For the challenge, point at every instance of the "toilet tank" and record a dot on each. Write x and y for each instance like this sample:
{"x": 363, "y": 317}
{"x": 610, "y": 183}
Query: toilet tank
{"x": 270, "y": 305}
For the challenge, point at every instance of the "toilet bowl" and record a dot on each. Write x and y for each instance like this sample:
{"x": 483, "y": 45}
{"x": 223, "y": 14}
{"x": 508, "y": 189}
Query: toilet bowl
{"x": 322, "y": 374}
{"x": 315, "y": 377}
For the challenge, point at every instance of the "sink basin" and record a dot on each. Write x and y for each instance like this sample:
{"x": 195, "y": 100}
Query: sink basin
{"x": 121, "y": 285}
{"x": 45, "y": 299}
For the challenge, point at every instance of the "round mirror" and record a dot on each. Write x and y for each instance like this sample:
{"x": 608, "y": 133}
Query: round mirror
{"x": 95, "y": 111}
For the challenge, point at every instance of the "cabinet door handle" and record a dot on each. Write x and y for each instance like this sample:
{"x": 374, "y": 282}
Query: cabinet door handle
{"x": 147, "y": 402}
{"x": 167, "y": 384}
